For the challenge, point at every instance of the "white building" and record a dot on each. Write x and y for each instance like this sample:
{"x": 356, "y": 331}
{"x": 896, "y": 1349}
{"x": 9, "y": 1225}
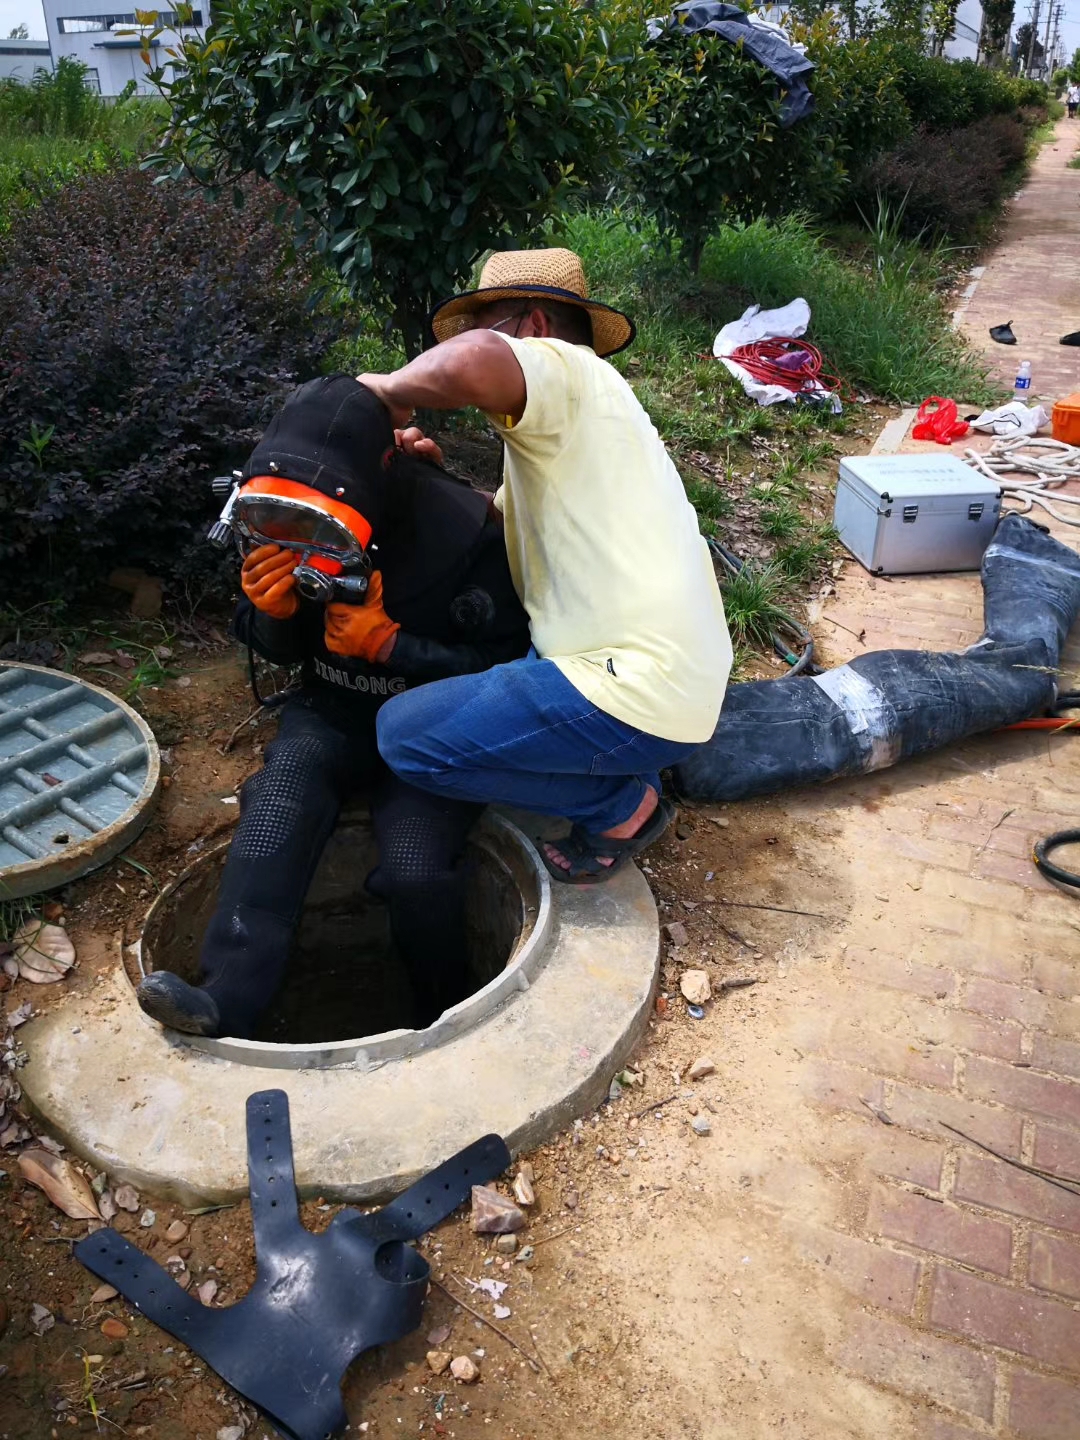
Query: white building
{"x": 963, "y": 44}
{"x": 20, "y": 59}
{"x": 109, "y": 44}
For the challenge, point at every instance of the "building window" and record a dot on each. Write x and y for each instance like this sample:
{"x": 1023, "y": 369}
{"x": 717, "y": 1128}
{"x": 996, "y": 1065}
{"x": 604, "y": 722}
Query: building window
{"x": 92, "y": 81}
{"x": 89, "y": 24}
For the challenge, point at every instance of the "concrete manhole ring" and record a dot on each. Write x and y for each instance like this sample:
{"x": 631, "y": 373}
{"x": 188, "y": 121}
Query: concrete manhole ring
{"x": 528, "y": 1052}
{"x": 79, "y": 772}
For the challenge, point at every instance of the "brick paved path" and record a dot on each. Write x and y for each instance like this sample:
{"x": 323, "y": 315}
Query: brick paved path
{"x": 1034, "y": 276}
{"x": 966, "y": 1011}
{"x": 841, "y": 1261}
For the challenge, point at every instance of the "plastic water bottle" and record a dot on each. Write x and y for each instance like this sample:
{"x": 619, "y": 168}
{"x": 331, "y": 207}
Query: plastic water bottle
{"x": 1022, "y": 384}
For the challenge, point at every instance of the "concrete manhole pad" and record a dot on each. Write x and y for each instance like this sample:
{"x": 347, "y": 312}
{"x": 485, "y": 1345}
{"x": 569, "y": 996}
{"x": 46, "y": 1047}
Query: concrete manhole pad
{"x": 79, "y": 771}
{"x": 533, "y": 1048}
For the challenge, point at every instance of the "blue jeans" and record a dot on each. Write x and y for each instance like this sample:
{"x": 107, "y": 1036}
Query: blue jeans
{"x": 522, "y": 735}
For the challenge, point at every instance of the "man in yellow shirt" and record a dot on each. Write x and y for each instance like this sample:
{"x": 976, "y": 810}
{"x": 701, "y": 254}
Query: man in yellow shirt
{"x": 631, "y": 652}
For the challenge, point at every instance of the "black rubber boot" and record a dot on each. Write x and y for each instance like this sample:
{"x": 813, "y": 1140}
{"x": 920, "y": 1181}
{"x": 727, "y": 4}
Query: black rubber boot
{"x": 174, "y": 1003}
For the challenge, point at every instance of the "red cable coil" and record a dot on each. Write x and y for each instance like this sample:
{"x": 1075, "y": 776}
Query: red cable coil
{"x": 760, "y": 360}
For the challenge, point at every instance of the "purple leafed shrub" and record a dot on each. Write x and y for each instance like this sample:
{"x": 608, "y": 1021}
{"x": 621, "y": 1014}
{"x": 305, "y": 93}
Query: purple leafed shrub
{"x": 951, "y": 181}
{"x": 147, "y": 334}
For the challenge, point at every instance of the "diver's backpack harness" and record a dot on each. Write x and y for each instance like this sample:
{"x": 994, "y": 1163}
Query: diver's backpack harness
{"x": 317, "y": 1300}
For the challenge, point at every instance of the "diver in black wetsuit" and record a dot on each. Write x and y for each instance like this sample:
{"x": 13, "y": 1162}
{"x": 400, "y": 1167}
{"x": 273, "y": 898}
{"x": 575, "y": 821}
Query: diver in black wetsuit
{"x": 440, "y": 602}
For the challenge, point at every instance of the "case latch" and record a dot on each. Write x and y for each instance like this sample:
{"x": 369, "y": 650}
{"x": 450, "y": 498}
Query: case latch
{"x": 911, "y": 514}
{"x": 975, "y": 510}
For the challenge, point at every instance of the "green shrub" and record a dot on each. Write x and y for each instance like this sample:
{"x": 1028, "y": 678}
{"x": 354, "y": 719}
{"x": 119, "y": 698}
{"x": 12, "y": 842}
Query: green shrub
{"x": 717, "y": 149}
{"x": 410, "y": 135}
{"x": 140, "y": 355}
{"x": 857, "y": 90}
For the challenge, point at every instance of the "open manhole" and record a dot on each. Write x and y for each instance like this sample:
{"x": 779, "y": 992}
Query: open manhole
{"x": 565, "y": 978}
{"x": 79, "y": 771}
{"x": 345, "y": 979}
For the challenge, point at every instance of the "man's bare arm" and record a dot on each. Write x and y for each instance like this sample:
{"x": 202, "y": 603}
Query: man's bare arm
{"x": 477, "y": 368}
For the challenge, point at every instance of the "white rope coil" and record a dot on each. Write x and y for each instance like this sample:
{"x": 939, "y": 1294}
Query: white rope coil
{"x": 1051, "y": 463}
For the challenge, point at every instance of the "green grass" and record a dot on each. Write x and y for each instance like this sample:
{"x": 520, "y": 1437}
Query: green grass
{"x": 803, "y": 554}
{"x": 710, "y": 502}
{"x": 753, "y": 603}
{"x": 14, "y": 913}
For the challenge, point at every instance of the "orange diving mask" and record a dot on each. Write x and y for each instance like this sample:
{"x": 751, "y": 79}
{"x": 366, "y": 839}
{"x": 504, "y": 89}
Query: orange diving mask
{"x": 330, "y": 537}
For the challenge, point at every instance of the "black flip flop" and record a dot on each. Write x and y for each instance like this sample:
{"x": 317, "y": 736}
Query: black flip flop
{"x": 586, "y": 851}
{"x": 1003, "y": 334}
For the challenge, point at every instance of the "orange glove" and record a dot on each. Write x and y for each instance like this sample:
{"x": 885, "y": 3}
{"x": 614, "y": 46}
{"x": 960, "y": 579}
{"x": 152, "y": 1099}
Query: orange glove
{"x": 360, "y": 630}
{"x": 267, "y": 580}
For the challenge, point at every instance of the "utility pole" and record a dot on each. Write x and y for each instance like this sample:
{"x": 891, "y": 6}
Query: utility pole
{"x": 1031, "y": 40}
{"x": 1046, "y": 37}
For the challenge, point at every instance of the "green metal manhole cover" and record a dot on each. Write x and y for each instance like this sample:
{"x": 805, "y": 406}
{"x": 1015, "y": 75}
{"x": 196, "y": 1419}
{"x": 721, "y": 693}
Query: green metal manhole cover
{"x": 79, "y": 772}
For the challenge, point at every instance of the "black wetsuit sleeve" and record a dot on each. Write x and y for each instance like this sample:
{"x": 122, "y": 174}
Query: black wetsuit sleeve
{"x": 505, "y": 637}
{"x": 417, "y": 658}
{"x": 282, "y": 642}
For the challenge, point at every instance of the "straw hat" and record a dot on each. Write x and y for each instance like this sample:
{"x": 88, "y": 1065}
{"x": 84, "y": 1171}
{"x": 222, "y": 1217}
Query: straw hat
{"x": 539, "y": 274}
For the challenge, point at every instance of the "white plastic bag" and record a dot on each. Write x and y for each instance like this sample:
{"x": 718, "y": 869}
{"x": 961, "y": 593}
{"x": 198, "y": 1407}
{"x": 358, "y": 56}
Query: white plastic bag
{"x": 789, "y": 322}
{"x": 1015, "y": 418}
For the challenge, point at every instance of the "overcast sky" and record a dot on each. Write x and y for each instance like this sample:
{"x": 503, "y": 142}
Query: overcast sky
{"x": 29, "y": 12}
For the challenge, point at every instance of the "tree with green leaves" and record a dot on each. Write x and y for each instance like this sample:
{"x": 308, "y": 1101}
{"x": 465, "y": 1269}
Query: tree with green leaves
{"x": 1023, "y": 45}
{"x": 996, "y": 23}
{"x": 20, "y": 32}
{"x": 406, "y": 136}
{"x": 941, "y": 18}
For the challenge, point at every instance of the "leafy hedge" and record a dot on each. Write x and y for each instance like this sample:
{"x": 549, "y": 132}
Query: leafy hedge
{"x": 146, "y": 337}
{"x": 717, "y": 151}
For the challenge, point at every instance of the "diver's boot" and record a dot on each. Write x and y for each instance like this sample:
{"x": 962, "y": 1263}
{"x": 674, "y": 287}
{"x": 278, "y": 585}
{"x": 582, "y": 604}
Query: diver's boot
{"x": 174, "y": 1003}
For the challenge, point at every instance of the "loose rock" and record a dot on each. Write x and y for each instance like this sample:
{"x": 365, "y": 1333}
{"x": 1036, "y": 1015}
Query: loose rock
{"x": 231, "y": 1432}
{"x": 494, "y": 1214}
{"x": 700, "y": 1125}
{"x": 570, "y": 1200}
{"x": 438, "y": 1361}
{"x": 700, "y": 1068}
{"x": 506, "y": 1244}
{"x": 103, "y": 1293}
{"x": 465, "y": 1369}
{"x": 676, "y": 933}
{"x": 126, "y": 1196}
{"x": 147, "y": 1219}
{"x": 176, "y": 1231}
{"x": 114, "y": 1329}
{"x": 41, "y": 1319}
{"x": 438, "y": 1336}
{"x": 207, "y": 1290}
{"x": 695, "y": 986}
{"x": 524, "y": 1193}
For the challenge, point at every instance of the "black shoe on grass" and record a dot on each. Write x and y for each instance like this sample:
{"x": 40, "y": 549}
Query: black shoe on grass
{"x": 174, "y": 1003}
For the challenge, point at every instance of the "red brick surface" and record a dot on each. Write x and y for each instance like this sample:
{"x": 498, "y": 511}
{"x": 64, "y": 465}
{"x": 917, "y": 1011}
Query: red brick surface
{"x": 982, "y": 1180}
{"x": 944, "y": 1229}
{"x": 1024, "y": 1089}
{"x": 1054, "y": 1264}
{"x": 1043, "y": 1408}
{"x": 881, "y": 1277}
{"x": 1057, "y": 1150}
{"x": 922, "y": 1364}
{"x": 1017, "y": 1320}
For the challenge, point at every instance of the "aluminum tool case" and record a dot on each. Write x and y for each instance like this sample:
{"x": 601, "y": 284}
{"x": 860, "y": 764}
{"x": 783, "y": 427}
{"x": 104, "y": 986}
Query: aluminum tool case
{"x": 909, "y": 514}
